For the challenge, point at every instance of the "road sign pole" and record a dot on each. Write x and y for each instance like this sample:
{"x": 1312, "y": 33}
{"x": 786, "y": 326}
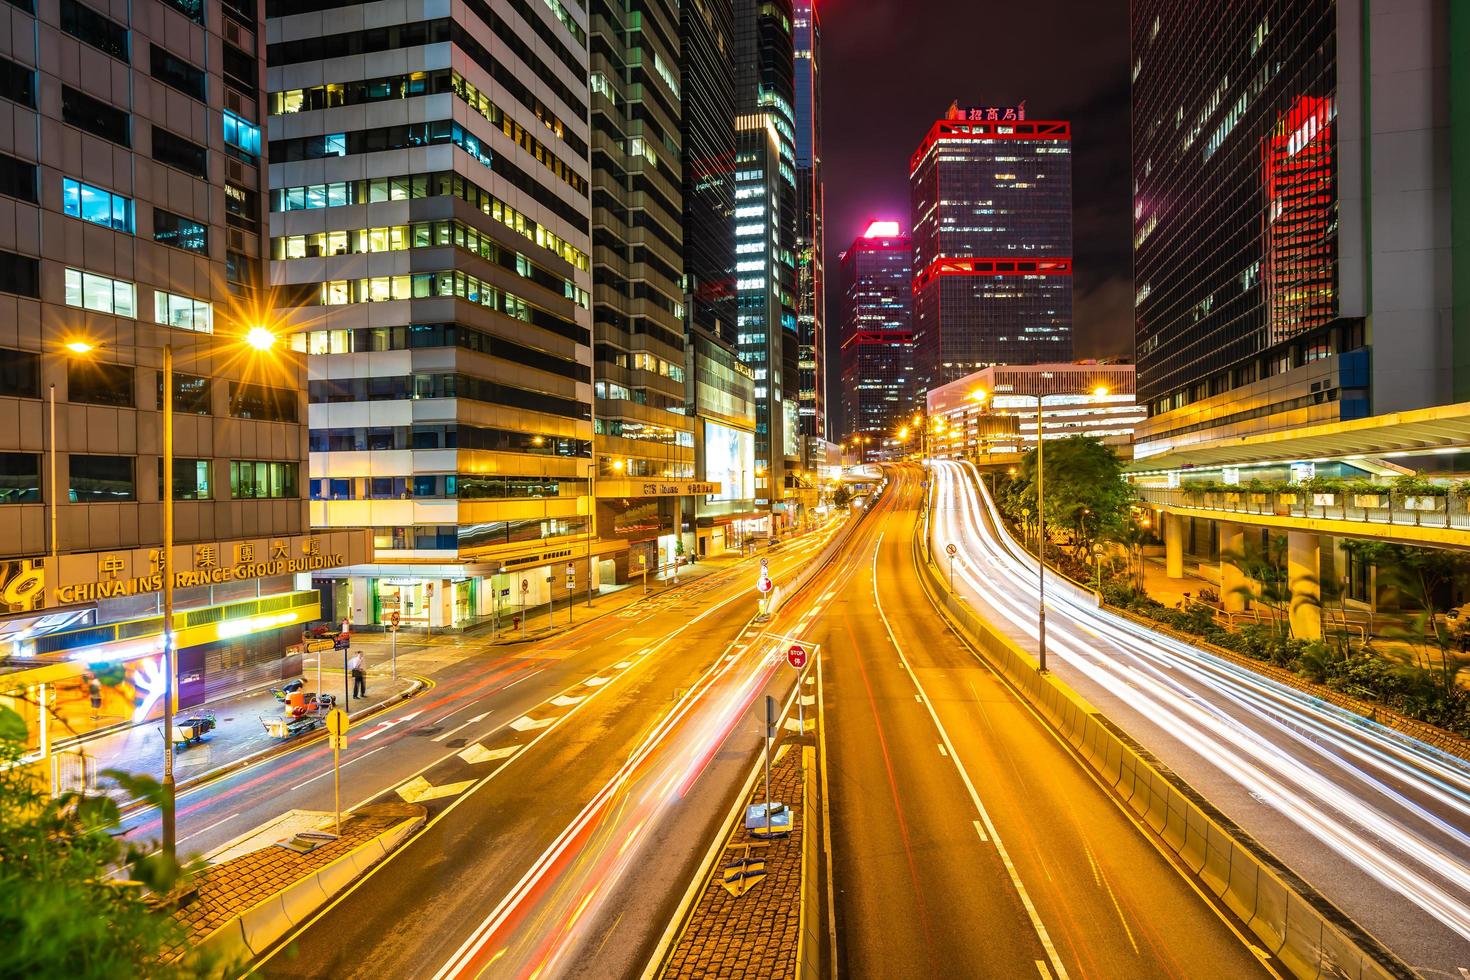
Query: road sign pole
{"x": 770, "y": 733}
{"x": 393, "y": 651}
{"x": 346, "y": 697}
{"x": 800, "y": 707}
{"x": 337, "y": 780}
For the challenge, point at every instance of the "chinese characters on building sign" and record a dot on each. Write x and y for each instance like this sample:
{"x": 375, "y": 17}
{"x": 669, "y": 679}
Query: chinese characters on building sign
{"x": 990, "y": 113}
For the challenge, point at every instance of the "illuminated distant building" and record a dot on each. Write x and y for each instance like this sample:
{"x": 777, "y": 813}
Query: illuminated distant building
{"x": 1295, "y": 261}
{"x": 1004, "y": 423}
{"x": 811, "y": 314}
{"x": 877, "y": 343}
{"x": 992, "y": 242}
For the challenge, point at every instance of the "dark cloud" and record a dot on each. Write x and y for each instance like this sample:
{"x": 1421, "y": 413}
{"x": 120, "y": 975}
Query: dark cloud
{"x": 891, "y": 67}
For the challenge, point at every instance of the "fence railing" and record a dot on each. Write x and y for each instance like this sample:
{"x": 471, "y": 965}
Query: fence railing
{"x": 1389, "y": 509}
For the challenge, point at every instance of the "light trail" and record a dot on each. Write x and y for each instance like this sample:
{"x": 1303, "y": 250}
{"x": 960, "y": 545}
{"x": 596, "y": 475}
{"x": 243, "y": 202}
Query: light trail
{"x": 1394, "y": 808}
{"x": 543, "y": 920}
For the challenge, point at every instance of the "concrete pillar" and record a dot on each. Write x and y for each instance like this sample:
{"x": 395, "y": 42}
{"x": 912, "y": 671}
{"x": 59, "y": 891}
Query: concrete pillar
{"x": 1173, "y": 545}
{"x": 1303, "y": 563}
{"x": 1232, "y": 579}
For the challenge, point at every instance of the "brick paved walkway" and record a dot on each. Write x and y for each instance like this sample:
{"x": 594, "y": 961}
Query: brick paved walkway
{"x": 227, "y": 889}
{"x": 755, "y": 935}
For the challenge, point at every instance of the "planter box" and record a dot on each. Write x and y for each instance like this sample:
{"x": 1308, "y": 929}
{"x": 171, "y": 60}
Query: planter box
{"x": 1370, "y": 501}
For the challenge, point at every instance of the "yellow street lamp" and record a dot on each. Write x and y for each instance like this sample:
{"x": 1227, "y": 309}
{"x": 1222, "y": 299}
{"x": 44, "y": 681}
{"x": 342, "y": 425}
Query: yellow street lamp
{"x": 260, "y": 338}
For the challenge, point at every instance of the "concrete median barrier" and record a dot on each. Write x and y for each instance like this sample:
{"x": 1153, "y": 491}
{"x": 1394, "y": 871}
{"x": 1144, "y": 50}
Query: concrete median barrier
{"x": 1310, "y": 936}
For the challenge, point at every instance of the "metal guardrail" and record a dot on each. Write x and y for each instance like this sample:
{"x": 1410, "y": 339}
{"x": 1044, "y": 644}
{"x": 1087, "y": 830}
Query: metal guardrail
{"x": 1311, "y": 936}
{"x": 1451, "y": 511}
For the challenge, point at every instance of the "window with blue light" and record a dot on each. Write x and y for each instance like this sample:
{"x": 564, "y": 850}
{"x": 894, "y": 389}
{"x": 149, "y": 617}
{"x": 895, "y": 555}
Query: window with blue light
{"x": 242, "y": 136}
{"x": 101, "y": 207}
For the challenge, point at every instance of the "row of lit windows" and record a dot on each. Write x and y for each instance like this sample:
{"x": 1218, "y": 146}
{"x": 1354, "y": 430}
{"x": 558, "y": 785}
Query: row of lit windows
{"x": 103, "y": 294}
{"x": 113, "y": 479}
{"x": 378, "y": 189}
{"x": 422, "y": 235}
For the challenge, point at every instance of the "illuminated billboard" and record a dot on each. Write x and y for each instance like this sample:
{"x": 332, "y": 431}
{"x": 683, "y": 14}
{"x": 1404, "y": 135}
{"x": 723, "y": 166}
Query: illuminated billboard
{"x": 729, "y": 460}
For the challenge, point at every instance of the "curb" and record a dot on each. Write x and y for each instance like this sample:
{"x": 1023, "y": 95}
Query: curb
{"x": 255, "y": 930}
{"x": 418, "y": 686}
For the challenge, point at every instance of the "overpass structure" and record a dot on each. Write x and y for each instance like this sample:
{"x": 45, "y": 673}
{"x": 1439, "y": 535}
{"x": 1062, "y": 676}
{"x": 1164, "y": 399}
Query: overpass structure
{"x": 1212, "y": 494}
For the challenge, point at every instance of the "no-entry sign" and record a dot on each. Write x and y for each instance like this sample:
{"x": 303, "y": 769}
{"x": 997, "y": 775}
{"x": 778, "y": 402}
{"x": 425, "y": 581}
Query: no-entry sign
{"x": 764, "y": 583}
{"x": 796, "y": 656}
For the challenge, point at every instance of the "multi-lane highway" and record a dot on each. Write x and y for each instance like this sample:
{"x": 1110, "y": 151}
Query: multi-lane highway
{"x": 1376, "y": 821}
{"x": 967, "y": 841}
{"x": 563, "y": 830}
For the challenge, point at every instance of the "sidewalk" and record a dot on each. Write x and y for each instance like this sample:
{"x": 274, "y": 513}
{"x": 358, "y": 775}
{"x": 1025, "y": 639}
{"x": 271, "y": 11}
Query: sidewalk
{"x": 239, "y": 737}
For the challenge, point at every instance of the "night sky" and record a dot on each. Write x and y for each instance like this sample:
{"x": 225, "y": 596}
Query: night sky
{"x": 891, "y": 67}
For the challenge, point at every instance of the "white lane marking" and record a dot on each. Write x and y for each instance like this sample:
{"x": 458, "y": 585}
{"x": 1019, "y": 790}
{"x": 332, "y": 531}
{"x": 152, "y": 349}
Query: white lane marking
{"x": 596, "y": 681}
{"x": 1015, "y": 876}
{"x": 623, "y": 665}
{"x": 525, "y": 723}
{"x": 356, "y": 758}
{"x": 383, "y": 726}
{"x": 980, "y": 830}
{"x": 518, "y": 680}
{"x": 212, "y": 825}
{"x": 419, "y": 789}
{"x": 477, "y": 753}
{"x": 943, "y": 751}
{"x": 566, "y": 700}
{"x": 1041, "y": 966}
{"x": 440, "y": 738}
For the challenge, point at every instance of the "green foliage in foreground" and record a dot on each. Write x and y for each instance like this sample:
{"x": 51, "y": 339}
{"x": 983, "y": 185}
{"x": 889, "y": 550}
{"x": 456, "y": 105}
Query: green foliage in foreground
{"x": 66, "y": 908}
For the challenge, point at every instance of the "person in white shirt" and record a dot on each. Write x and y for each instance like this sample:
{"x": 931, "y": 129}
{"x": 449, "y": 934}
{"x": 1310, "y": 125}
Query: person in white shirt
{"x": 359, "y": 675}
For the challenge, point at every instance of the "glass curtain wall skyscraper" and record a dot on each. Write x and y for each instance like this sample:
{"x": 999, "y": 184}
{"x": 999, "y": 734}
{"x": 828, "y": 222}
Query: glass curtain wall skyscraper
{"x": 877, "y": 340}
{"x": 811, "y": 316}
{"x": 430, "y": 236}
{"x": 645, "y": 441}
{"x": 1293, "y": 261}
{"x": 765, "y": 230}
{"x": 992, "y": 235}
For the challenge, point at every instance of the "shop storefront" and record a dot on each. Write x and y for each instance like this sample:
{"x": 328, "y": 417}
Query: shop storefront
{"x": 89, "y": 626}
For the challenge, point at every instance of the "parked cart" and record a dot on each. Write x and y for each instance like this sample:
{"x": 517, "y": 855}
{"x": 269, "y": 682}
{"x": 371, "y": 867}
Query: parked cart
{"x": 192, "y": 729}
{"x": 301, "y": 713}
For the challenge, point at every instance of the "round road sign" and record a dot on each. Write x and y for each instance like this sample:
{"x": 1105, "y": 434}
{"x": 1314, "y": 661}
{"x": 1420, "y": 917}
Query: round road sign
{"x": 394, "y": 618}
{"x": 764, "y": 563}
{"x": 765, "y": 584}
{"x": 951, "y": 550}
{"x": 525, "y": 585}
{"x": 337, "y": 722}
{"x": 796, "y": 656}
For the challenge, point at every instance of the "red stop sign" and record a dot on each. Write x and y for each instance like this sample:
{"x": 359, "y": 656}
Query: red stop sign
{"x": 796, "y": 656}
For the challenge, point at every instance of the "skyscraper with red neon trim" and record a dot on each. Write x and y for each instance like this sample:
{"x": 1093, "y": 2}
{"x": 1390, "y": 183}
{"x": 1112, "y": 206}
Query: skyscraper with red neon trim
{"x": 992, "y": 243}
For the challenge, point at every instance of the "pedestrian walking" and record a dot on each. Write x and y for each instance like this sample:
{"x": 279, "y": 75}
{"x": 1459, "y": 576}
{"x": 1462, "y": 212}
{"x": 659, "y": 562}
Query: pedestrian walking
{"x": 359, "y": 676}
{"x": 94, "y": 692}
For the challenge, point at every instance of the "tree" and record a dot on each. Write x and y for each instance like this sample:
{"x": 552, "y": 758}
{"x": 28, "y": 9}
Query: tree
{"x": 1421, "y": 575}
{"x": 73, "y": 898}
{"x": 1085, "y": 492}
{"x": 842, "y": 496}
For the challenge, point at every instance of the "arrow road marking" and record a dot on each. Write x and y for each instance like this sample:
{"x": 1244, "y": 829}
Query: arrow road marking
{"x": 440, "y": 738}
{"x": 419, "y": 789}
{"x": 383, "y": 726}
{"x": 525, "y": 723}
{"x": 596, "y": 681}
{"x": 477, "y": 753}
{"x": 566, "y": 700}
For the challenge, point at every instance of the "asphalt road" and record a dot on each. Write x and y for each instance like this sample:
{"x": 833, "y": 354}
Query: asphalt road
{"x": 563, "y": 833}
{"x": 967, "y": 842}
{"x": 1373, "y": 819}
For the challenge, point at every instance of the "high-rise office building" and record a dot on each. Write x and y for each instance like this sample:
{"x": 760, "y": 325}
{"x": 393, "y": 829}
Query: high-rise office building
{"x": 719, "y": 387}
{"x": 706, "y": 32}
{"x": 645, "y": 441}
{"x": 1295, "y": 257}
{"x": 430, "y": 235}
{"x": 765, "y": 236}
{"x": 132, "y": 177}
{"x": 992, "y": 234}
{"x": 811, "y": 319}
{"x": 877, "y": 337}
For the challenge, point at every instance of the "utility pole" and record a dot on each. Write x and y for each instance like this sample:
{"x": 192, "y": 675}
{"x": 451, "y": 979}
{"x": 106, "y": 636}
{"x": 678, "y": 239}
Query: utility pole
{"x": 168, "y": 810}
